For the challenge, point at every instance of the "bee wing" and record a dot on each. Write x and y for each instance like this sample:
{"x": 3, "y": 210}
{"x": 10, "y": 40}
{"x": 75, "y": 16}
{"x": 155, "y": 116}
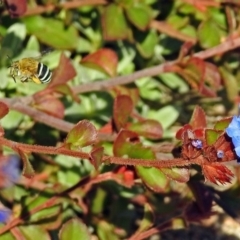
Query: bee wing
{"x": 36, "y": 79}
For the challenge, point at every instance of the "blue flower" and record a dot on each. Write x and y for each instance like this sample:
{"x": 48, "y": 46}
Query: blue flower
{"x": 9, "y": 170}
{"x": 233, "y": 131}
{"x": 5, "y": 213}
{"x": 233, "y": 128}
{"x": 197, "y": 143}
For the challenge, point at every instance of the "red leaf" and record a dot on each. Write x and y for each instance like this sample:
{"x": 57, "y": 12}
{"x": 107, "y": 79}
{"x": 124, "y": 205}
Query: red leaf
{"x": 217, "y": 173}
{"x": 3, "y": 110}
{"x": 63, "y": 73}
{"x": 104, "y": 60}
{"x": 82, "y": 134}
{"x": 16, "y": 8}
{"x": 96, "y": 157}
{"x": 50, "y": 105}
{"x": 198, "y": 119}
{"x": 122, "y": 109}
{"x": 148, "y": 128}
{"x": 179, "y": 133}
{"x": 107, "y": 128}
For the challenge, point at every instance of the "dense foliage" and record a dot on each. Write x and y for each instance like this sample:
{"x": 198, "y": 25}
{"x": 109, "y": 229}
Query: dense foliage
{"x": 134, "y": 137}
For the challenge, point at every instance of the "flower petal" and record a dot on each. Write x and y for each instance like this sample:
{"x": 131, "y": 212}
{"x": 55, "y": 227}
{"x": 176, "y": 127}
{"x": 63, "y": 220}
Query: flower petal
{"x": 4, "y": 215}
{"x": 237, "y": 150}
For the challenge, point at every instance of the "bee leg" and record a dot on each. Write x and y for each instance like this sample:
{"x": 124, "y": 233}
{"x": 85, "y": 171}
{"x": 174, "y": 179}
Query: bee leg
{"x": 24, "y": 79}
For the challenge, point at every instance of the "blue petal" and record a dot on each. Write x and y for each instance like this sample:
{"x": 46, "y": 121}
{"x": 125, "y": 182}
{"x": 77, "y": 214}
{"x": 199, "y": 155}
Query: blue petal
{"x": 235, "y": 123}
{"x": 234, "y": 127}
{"x": 4, "y": 215}
{"x": 9, "y": 171}
{"x": 236, "y": 141}
{"x": 237, "y": 150}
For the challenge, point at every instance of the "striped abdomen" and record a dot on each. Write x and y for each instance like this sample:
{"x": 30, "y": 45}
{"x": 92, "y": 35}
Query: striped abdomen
{"x": 44, "y": 74}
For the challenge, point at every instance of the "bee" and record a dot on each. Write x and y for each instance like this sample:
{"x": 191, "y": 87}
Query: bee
{"x": 30, "y": 69}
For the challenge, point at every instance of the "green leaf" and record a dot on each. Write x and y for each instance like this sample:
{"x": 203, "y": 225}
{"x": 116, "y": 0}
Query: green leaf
{"x": 52, "y": 32}
{"x": 114, "y": 23}
{"x": 139, "y": 15}
{"x": 147, "y": 46}
{"x": 81, "y": 135}
{"x": 153, "y": 178}
{"x": 74, "y": 229}
{"x": 35, "y": 231}
{"x": 222, "y": 124}
{"x": 46, "y": 213}
{"x": 166, "y": 116}
{"x": 11, "y": 44}
{"x": 209, "y": 34}
{"x": 7, "y": 236}
{"x": 211, "y": 136}
{"x": 230, "y": 83}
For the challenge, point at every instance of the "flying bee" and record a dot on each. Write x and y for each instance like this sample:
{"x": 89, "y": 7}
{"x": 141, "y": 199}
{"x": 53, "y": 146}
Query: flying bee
{"x": 30, "y": 69}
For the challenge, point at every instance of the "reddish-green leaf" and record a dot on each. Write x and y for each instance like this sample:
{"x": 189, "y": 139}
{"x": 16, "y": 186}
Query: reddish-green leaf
{"x": 28, "y": 170}
{"x": 66, "y": 90}
{"x": 51, "y": 105}
{"x": 139, "y": 14}
{"x": 64, "y": 72}
{"x": 122, "y": 144}
{"x": 198, "y": 119}
{"x": 16, "y": 8}
{"x": 122, "y": 109}
{"x": 104, "y": 60}
{"x": 3, "y": 109}
{"x": 74, "y": 229}
{"x": 212, "y": 76}
{"x": 83, "y": 134}
{"x": 133, "y": 93}
{"x": 148, "y": 128}
{"x": 177, "y": 174}
{"x": 114, "y": 23}
{"x": 152, "y": 177}
{"x": 96, "y": 156}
